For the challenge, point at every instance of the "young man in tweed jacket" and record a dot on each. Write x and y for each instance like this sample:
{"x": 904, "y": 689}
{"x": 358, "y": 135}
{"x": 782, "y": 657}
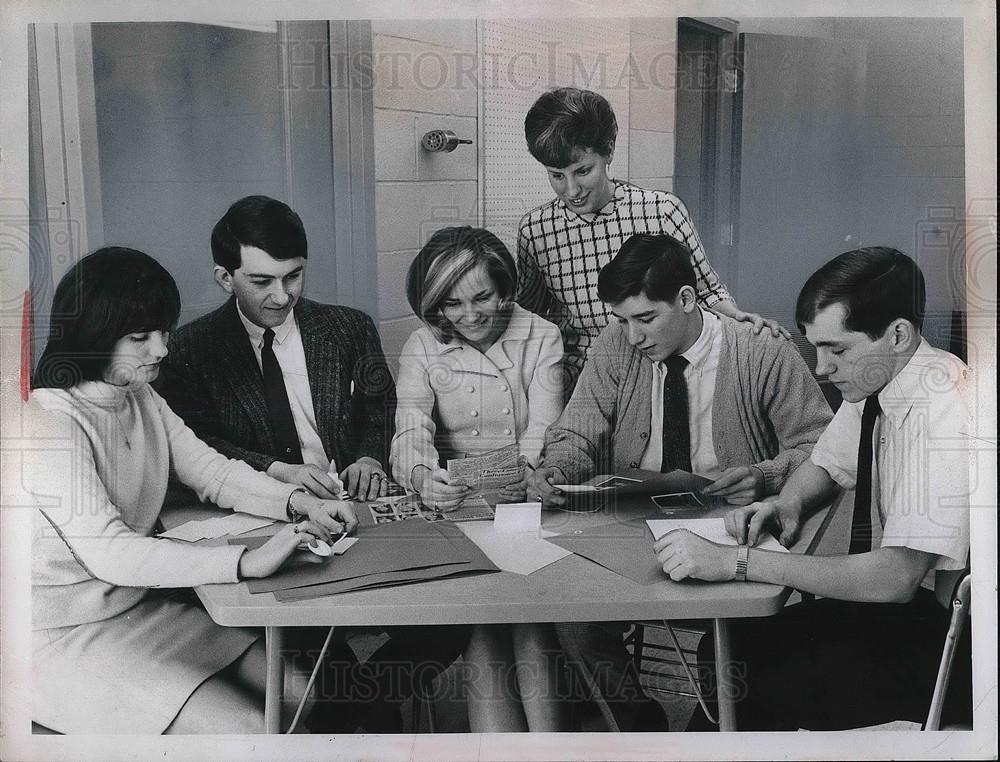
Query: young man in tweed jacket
{"x": 340, "y": 392}
{"x": 341, "y": 400}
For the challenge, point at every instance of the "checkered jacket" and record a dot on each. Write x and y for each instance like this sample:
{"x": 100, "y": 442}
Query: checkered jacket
{"x": 560, "y": 252}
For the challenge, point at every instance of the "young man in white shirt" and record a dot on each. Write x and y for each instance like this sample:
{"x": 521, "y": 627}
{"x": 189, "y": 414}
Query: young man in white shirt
{"x": 866, "y": 652}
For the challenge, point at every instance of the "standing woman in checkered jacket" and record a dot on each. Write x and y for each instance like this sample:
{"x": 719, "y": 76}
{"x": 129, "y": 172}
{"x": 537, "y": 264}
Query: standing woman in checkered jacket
{"x": 562, "y": 244}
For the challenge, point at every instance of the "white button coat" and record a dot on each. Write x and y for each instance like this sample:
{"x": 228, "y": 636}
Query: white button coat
{"x": 437, "y": 417}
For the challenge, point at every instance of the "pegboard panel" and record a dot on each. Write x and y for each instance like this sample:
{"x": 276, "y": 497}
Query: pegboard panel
{"x": 519, "y": 60}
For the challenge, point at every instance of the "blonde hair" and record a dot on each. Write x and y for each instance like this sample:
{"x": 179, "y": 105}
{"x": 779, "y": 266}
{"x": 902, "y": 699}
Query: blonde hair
{"x": 444, "y": 260}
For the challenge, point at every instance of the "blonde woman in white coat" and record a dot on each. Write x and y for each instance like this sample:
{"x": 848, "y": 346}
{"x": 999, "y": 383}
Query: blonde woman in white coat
{"x": 481, "y": 373}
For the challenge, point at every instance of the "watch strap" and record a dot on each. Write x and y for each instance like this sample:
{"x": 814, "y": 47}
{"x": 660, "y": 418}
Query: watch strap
{"x": 742, "y": 559}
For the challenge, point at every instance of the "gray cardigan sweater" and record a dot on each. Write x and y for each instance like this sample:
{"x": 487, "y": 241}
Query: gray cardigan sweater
{"x": 768, "y": 409}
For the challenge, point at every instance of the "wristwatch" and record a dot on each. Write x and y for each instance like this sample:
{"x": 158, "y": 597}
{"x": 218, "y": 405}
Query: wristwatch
{"x": 742, "y": 557}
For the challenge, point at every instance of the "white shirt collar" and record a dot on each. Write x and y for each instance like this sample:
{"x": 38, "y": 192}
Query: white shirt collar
{"x": 927, "y": 368}
{"x": 256, "y": 333}
{"x": 698, "y": 353}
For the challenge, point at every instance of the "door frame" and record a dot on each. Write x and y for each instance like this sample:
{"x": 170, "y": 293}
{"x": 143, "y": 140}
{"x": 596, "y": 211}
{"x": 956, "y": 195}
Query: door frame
{"x": 719, "y": 161}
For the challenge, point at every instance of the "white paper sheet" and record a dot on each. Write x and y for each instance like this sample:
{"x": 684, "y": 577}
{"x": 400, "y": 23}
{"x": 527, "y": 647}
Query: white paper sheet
{"x": 514, "y": 518}
{"x": 518, "y": 552}
{"x": 710, "y": 529}
{"x": 233, "y": 524}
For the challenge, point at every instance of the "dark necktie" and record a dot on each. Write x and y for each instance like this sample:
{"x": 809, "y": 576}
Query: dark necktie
{"x": 285, "y": 435}
{"x": 861, "y": 524}
{"x": 676, "y": 434}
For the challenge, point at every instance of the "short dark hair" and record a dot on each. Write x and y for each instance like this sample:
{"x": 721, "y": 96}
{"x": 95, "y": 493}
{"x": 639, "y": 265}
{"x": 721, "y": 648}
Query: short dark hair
{"x": 106, "y": 295}
{"x": 567, "y": 120}
{"x": 443, "y": 261}
{"x": 657, "y": 266}
{"x": 876, "y": 285}
{"x": 270, "y": 225}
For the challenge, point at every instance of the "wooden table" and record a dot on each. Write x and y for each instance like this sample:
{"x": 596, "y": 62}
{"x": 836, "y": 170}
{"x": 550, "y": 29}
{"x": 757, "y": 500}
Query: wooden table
{"x": 570, "y": 590}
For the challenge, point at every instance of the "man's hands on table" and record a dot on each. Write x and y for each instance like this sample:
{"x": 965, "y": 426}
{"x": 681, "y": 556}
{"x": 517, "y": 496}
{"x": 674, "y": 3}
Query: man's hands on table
{"x": 739, "y": 485}
{"x": 541, "y": 486}
{"x": 685, "y": 555}
{"x": 362, "y": 480}
{"x": 365, "y": 479}
{"x": 782, "y": 515}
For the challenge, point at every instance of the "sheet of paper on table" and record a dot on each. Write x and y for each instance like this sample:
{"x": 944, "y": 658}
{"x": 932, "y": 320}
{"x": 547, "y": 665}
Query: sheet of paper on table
{"x": 513, "y": 540}
{"x": 233, "y": 524}
{"x": 710, "y": 529}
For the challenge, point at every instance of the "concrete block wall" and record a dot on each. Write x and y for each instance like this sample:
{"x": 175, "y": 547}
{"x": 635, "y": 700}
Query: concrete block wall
{"x": 425, "y": 79}
{"x": 652, "y": 100}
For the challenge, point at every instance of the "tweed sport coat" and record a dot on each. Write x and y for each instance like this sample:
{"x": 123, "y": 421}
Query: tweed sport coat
{"x": 211, "y": 379}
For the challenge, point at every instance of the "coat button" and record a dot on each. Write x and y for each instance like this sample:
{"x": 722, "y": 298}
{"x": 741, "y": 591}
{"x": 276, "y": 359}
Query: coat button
{"x": 633, "y": 464}
{"x": 473, "y": 413}
{"x": 503, "y": 387}
{"x": 506, "y": 411}
{"x": 471, "y": 388}
{"x": 506, "y": 431}
{"x": 475, "y": 432}
{"x": 644, "y": 435}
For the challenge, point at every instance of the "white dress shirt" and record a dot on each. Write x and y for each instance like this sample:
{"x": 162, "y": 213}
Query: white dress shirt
{"x": 920, "y": 479}
{"x": 699, "y": 376}
{"x": 291, "y": 357}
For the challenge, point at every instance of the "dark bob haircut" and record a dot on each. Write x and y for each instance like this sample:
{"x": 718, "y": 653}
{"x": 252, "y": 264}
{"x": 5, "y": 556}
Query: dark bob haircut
{"x": 876, "y": 285}
{"x": 106, "y": 295}
{"x": 260, "y": 221}
{"x": 657, "y": 266}
{"x": 444, "y": 260}
{"x": 566, "y": 121}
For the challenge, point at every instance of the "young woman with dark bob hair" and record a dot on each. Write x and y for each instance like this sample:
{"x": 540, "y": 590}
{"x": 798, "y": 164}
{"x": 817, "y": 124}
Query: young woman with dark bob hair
{"x": 481, "y": 373}
{"x": 114, "y": 650}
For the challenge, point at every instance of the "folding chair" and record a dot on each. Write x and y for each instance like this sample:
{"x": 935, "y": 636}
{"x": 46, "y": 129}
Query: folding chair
{"x": 667, "y": 666}
{"x": 960, "y": 605}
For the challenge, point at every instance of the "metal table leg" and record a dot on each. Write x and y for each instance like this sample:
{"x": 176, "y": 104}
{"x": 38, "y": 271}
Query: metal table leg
{"x": 724, "y": 677}
{"x": 275, "y": 685}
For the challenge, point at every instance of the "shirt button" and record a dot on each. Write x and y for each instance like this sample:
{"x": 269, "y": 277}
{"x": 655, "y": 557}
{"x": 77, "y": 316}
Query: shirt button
{"x": 475, "y": 432}
{"x": 288, "y": 450}
{"x": 506, "y": 411}
{"x": 471, "y": 388}
{"x": 633, "y": 464}
{"x": 506, "y": 431}
{"x": 473, "y": 413}
{"x": 503, "y": 387}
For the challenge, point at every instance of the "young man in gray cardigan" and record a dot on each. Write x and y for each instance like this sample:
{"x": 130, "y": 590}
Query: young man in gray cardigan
{"x": 669, "y": 385}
